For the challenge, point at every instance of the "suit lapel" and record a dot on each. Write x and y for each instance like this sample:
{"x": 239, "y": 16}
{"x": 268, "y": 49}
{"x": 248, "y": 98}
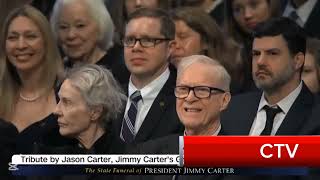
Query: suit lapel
{"x": 250, "y": 112}
{"x": 240, "y": 114}
{"x": 157, "y": 109}
{"x": 313, "y": 15}
{"x": 298, "y": 113}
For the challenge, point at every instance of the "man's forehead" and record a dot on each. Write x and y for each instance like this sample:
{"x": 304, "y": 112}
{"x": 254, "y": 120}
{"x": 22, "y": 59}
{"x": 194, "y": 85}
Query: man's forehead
{"x": 143, "y": 26}
{"x": 143, "y": 20}
{"x": 199, "y": 71}
{"x": 269, "y": 42}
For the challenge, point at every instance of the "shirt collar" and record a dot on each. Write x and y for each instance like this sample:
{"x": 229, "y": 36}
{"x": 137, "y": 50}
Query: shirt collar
{"x": 151, "y": 90}
{"x": 284, "y": 103}
{"x": 214, "y": 133}
{"x": 303, "y": 11}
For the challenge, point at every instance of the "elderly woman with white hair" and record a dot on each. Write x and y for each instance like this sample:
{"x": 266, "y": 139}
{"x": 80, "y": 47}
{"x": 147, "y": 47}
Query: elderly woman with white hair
{"x": 85, "y": 31}
{"x": 90, "y": 99}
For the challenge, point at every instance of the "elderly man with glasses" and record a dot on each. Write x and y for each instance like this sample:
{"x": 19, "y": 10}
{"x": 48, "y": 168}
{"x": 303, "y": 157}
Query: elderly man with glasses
{"x": 150, "y": 110}
{"x": 202, "y": 93}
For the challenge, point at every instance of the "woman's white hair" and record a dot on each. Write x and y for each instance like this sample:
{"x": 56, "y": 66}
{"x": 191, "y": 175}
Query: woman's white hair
{"x": 99, "y": 14}
{"x": 98, "y": 87}
{"x": 221, "y": 72}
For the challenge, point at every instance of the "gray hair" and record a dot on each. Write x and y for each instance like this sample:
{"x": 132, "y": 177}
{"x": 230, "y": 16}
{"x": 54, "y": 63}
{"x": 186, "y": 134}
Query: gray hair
{"x": 221, "y": 72}
{"x": 99, "y": 88}
{"x": 99, "y": 14}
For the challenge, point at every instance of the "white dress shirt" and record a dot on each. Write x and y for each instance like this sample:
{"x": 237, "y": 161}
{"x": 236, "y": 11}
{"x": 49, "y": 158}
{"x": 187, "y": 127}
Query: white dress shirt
{"x": 261, "y": 117}
{"x": 303, "y": 11}
{"x": 149, "y": 94}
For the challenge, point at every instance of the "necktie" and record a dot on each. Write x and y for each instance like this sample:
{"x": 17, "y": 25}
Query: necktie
{"x": 127, "y": 130}
{"x": 271, "y": 113}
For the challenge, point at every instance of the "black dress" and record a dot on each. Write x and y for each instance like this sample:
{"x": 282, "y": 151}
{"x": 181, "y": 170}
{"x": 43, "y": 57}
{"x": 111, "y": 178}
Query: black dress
{"x": 114, "y": 61}
{"x": 45, "y": 131}
{"x": 8, "y": 134}
{"x": 103, "y": 145}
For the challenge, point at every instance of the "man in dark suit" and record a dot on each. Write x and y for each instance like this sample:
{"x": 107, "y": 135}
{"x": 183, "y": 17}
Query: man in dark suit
{"x": 285, "y": 103}
{"x": 150, "y": 110}
{"x": 305, "y": 12}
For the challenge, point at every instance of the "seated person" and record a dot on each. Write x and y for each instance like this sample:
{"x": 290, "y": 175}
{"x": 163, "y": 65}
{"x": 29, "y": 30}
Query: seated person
{"x": 311, "y": 67}
{"x": 30, "y": 67}
{"x": 90, "y": 98}
{"x": 202, "y": 92}
{"x": 85, "y": 31}
{"x": 197, "y": 33}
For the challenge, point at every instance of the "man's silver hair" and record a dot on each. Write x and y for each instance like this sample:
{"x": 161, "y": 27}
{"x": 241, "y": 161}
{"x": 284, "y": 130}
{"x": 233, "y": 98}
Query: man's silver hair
{"x": 99, "y": 13}
{"x": 221, "y": 72}
{"x": 98, "y": 88}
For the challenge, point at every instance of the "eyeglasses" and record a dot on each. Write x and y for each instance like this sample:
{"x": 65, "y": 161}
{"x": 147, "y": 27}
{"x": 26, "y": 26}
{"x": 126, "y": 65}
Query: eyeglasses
{"x": 145, "y": 42}
{"x": 200, "y": 92}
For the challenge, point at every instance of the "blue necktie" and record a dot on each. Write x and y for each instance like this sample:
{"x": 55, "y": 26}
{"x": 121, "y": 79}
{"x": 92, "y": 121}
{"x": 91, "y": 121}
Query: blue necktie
{"x": 127, "y": 130}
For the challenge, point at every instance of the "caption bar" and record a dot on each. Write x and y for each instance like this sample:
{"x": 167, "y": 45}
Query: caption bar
{"x": 147, "y": 159}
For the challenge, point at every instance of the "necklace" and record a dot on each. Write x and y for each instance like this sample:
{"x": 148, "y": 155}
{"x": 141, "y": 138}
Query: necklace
{"x": 29, "y": 99}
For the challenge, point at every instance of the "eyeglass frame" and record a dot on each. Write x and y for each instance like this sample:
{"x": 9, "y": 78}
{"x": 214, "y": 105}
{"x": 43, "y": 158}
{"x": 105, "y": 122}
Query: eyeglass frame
{"x": 155, "y": 41}
{"x": 218, "y": 90}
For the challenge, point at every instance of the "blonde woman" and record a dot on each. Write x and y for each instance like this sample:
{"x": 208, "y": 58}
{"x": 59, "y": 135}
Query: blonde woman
{"x": 30, "y": 65}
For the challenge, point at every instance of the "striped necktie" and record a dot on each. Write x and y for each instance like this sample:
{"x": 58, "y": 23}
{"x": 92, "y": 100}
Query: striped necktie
{"x": 127, "y": 130}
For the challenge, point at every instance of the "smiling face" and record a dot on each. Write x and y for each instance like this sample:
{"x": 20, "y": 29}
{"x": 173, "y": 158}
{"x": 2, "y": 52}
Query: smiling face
{"x": 77, "y": 31}
{"x": 74, "y": 116}
{"x": 198, "y": 115}
{"x": 248, "y": 13}
{"x": 24, "y": 44}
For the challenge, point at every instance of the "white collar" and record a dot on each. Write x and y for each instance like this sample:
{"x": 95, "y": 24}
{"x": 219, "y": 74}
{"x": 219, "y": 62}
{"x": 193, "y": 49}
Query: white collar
{"x": 214, "y": 134}
{"x": 303, "y": 11}
{"x": 151, "y": 90}
{"x": 284, "y": 103}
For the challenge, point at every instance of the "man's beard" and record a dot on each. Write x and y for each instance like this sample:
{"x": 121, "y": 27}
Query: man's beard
{"x": 276, "y": 80}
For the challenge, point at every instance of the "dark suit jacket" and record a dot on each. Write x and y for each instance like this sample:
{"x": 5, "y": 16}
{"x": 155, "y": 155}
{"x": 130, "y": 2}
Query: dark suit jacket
{"x": 161, "y": 120}
{"x": 240, "y": 114}
{"x": 165, "y": 145}
{"x": 312, "y": 25}
{"x": 313, "y": 125}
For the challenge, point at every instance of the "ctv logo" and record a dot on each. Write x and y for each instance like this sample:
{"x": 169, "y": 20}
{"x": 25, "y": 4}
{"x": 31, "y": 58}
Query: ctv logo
{"x": 276, "y": 149}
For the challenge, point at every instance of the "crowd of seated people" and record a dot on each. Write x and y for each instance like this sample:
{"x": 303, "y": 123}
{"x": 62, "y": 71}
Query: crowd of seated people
{"x": 82, "y": 79}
